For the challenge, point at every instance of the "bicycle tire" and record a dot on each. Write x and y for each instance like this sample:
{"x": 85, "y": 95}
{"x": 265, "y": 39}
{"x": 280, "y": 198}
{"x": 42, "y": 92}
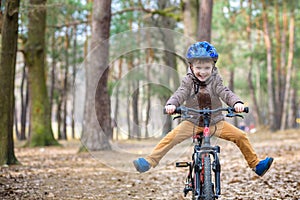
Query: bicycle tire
{"x": 207, "y": 184}
{"x": 193, "y": 195}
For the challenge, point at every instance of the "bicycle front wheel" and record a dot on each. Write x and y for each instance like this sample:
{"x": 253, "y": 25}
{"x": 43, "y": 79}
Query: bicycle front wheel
{"x": 207, "y": 184}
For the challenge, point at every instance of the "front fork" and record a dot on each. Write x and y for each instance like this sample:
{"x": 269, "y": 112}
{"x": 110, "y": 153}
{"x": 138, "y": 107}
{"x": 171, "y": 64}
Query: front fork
{"x": 216, "y": 167}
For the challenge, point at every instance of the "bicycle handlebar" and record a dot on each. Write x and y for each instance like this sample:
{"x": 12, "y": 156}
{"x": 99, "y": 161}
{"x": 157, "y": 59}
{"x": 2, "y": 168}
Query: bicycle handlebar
{"x": 230, "y": 110}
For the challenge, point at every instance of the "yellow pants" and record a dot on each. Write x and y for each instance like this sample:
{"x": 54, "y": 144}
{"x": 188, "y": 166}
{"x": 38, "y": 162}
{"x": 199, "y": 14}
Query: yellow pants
{"x": 185, "y": 130}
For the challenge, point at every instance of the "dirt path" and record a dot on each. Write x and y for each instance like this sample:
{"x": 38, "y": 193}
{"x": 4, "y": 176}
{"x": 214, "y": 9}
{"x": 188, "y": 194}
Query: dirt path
{"x": 61, "y": 173}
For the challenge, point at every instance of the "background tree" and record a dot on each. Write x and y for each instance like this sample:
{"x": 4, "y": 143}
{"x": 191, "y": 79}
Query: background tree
{"x": 9, "y": 37}
{"x": 40, "y": 119}
{"x": 255, "y": 107}
{"x": 97, "y": 129}
{"x": 190, "y": 12}
{"x": 169, "y": 58}
{"x": 205, "y": 19}
{"x": 67, "y": 33}
{"x": 270, "y": 73}
{"x": 289, "y": 69}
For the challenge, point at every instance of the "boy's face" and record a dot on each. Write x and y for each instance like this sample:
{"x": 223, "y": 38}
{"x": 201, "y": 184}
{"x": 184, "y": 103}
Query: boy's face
{"x": 202, "y": 70}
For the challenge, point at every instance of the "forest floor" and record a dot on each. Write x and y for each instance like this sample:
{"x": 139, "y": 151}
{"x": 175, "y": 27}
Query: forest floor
{"x": 63, "y": 173}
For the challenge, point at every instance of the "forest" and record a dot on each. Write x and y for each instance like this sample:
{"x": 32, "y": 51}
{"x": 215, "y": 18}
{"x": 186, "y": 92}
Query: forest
{"x": 87, "y": 80}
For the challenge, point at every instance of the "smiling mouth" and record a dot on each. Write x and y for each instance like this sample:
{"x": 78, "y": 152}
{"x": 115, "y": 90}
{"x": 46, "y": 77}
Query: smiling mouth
{"x": 201, "y": 77}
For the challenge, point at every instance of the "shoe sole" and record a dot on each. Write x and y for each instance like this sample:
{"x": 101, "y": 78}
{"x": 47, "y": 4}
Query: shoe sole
{"x": 269, "y": 165}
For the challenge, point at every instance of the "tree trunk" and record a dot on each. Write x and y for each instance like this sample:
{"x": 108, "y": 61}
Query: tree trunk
{"x": 7, "y": 76}
{"x": 169, "y": 57}
{"x": 16, "y": 121}
{"x": 205, "y": 18}
{"x": 278, "y": 74}
{"x": 74, "y": 34}
{"x": 231, "y": 80}
{"x": 231, "y": 87}
{"x": 117, "y": 101}
{"x": 190, "y": 17}
{"x": 292, "y": 113}
{"x": 53, "y": 67}
{"x": 65, "y": 89}
{"x": 270, "y": 76}
{"x": 283, "y": 54}
{"x": 52, "y": 98}
{"x": 58, "y": 117}
{"x": 97, "y": 102}
{"x": 24, "y": 103}
{"x": 148, "y": 106}
{"x": 40, "y": 119}
{"x": 135, "y": 110}
{"x": 149, "y": 60}
{"x": 116, "y": 113}
{"x": 128, "y": 111}
{"x": 289, "y": 72}
{"x": 255, "y": 110}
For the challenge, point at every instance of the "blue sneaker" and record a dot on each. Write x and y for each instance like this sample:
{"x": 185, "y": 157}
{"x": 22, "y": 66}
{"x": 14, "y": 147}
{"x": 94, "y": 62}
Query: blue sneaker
{"x": 263, "y": 166}
{"x": 141, "y": 165}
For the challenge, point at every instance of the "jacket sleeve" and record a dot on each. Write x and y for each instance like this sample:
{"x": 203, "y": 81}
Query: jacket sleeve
{"x": 182, "y": 93}
{"x": 225, "y": 93}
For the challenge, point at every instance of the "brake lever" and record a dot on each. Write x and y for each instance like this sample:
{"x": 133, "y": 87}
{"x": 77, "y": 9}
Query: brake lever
{"x": 179, "y": 116}
{"x": 183, "y": 117}
{"x": 234, "y": 115}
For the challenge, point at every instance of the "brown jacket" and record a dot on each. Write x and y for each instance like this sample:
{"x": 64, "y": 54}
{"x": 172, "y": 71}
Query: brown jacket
{"x": 190, "y": 89}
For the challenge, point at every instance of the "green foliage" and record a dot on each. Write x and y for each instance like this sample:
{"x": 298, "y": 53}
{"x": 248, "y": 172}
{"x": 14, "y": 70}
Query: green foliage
{"x": 60, "y": 12}
{"x": 126, "y": 20}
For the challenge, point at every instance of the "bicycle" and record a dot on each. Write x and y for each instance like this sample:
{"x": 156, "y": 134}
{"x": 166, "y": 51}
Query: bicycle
{"x": 205, "y": 158}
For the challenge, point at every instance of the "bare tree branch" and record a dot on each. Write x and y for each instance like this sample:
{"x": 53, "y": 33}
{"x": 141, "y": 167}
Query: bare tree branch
{"x": 169, "y": 12}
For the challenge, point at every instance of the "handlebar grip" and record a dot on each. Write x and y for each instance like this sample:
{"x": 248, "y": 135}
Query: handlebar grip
{"x": 177, "y": 111}
{"x": 246, "y": 110}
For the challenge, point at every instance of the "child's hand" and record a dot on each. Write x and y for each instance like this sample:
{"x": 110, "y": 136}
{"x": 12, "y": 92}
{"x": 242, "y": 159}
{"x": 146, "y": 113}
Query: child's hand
{"x": 239, "y": 107}
{"x": 170, "y": 109}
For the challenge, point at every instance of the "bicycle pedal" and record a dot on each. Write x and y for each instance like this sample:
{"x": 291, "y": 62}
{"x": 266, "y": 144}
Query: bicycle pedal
{"x": 217, "y": 149}
{"x": 182, "y": 164}
{"x": 186, "y": 190}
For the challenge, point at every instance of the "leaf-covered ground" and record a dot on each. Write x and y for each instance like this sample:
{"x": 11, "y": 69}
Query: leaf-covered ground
{"x": 62, "y": 173}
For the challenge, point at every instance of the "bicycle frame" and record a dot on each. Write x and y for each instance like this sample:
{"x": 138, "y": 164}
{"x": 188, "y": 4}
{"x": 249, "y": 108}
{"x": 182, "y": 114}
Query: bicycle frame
{"x": 196, "y": 169}
{"x": 199, "y": 177}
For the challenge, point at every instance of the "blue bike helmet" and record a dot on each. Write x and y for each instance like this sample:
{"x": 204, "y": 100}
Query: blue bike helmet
{"x": 202, "y": 50}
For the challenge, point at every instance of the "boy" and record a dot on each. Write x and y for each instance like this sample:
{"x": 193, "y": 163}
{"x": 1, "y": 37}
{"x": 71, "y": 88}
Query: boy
{"x": 203, "y": 87}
